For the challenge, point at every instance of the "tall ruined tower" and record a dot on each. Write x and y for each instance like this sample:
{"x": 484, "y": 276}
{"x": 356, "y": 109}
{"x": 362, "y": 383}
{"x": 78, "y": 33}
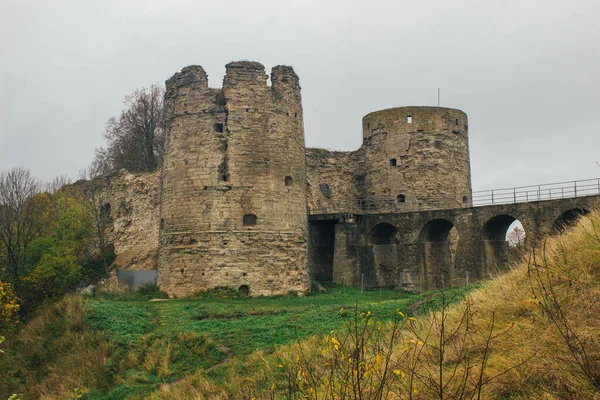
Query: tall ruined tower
{"x": 233, "y": 194}
{"x": 418, "y": 157}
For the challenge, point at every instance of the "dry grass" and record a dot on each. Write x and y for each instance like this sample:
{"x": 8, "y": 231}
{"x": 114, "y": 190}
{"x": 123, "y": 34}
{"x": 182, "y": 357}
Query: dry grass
{"x": 54, "y": 354}
{"x": 532, "y": 333}
{"x": 513, "y": 346}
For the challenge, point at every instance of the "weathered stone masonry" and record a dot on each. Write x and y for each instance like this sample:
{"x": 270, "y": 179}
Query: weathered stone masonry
{"x": 233, "y": 208}
{"x": 132, "y": 206}
{"x": 412, "y": 158}
{"x": 413, "y": 251}
{"x": 243, "y": 204}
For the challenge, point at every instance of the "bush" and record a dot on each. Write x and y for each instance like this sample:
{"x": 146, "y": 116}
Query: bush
{"x": 9, "y": 308}
{"x": 219, "y": 293}
{"x": 151, "y": 291}
{"x": 146, "y": 291}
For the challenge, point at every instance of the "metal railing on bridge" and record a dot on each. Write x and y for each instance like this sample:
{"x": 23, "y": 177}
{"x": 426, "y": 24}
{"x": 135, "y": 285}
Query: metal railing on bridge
{"x": 548, "y": 191}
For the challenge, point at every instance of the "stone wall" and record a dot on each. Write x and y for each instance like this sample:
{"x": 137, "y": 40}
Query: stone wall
{"x": 419, "y": 251}
{"x": 334, "y": 180}
{"x": 412, "y": 158}
{"x": 132, "y": 204}
{"x": 234, "y": 183}
{"x": 237, "y": 187}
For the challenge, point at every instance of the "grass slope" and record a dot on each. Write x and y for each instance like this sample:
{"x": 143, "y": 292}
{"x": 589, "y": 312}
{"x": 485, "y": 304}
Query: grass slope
{"x": 240, "y": 323}
{"x": 116, "y": 347}
{"x": 531, "y": 333}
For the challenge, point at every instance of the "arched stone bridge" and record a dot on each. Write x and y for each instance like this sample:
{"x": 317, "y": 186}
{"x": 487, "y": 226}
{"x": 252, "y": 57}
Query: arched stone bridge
{"x": 424, "y": 250}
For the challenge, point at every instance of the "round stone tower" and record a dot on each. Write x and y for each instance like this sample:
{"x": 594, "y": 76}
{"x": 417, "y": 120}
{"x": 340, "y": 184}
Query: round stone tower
{"x": 234, "y": 183}
{"x": 418, "y": 157}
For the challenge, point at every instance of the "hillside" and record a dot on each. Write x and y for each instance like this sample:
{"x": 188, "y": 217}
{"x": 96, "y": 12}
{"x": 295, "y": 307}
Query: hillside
{"x": 117, "y": 346}
{"x": 531, "y": 333}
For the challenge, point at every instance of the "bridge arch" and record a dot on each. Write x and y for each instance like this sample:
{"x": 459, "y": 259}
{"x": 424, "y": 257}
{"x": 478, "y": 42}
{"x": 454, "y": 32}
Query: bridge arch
{"x": 568, "y": 219}
{"x": 382, "y": 239}
{"x": 383, "y": 233}
{"x": 438, "y": 241}
{"x": 503, "y": 242}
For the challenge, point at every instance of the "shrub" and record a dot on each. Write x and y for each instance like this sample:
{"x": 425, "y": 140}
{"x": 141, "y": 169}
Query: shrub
{"x": 9, "y": 308}
{"x": 150, "y": 291}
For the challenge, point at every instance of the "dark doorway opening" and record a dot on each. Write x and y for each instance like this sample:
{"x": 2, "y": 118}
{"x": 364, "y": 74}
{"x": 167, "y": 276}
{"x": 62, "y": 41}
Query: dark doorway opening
{"x": 321, "y": 246}
{"x": 244, "y": 290}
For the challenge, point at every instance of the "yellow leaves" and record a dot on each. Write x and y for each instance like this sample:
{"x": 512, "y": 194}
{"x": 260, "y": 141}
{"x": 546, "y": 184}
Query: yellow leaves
{"x": 301, "y": 375}
{"x": 9, "y": 308}
{"x": 399, "y": 373}
{"x": 400, "y": 313}
{"x": 336, "y": 344}
{"x": 378, "y": 359}
{"x": 412, "y": 319}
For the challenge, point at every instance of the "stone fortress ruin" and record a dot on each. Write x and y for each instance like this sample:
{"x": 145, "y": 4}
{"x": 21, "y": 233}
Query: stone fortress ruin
{"x": 242, "y": 203}
{"x": 238, "y": 182}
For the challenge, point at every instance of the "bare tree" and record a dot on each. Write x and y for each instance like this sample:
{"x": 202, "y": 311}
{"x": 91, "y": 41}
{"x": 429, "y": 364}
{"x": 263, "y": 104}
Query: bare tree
{"x": 100, "y": 212}
{"x": 20, "y": 220}
{"x": 136, "y": 138}
{"x": 57, "y": 184}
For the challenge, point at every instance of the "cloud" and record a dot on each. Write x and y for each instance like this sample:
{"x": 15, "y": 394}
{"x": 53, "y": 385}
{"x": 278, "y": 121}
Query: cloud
{"x": 524, "y": 71}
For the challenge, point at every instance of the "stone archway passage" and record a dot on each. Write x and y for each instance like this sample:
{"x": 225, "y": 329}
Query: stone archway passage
{"x": 321, "y": 249}
{"x": 382, "y": 239}
{"x": 244, "y": 290}
{"x": 437, "y": 260}
{"x": 382, "y": 234}
{"x": 497, "y": 253}
{"x": 568, "y": 219}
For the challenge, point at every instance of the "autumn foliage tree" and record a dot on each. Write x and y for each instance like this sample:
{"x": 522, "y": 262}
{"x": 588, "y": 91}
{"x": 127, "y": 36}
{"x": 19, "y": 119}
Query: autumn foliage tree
{"x": 9, "y": 308}
{"x": 57, "y": 256}
{"x": 135, "y": 140}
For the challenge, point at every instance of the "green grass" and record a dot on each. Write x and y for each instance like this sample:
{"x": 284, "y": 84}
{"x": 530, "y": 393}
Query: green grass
{"x": 222, "y": 318}
{"x": 124, "y": 321}
{"x": 247, "y": 324}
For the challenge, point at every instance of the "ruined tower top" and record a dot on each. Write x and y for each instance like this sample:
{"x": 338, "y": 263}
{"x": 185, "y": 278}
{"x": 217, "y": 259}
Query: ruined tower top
{"x": 234, "y": 183}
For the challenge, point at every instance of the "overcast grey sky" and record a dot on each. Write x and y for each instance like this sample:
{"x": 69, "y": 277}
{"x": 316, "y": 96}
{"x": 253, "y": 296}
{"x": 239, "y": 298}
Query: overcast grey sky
{"x": 526, "y": 72}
